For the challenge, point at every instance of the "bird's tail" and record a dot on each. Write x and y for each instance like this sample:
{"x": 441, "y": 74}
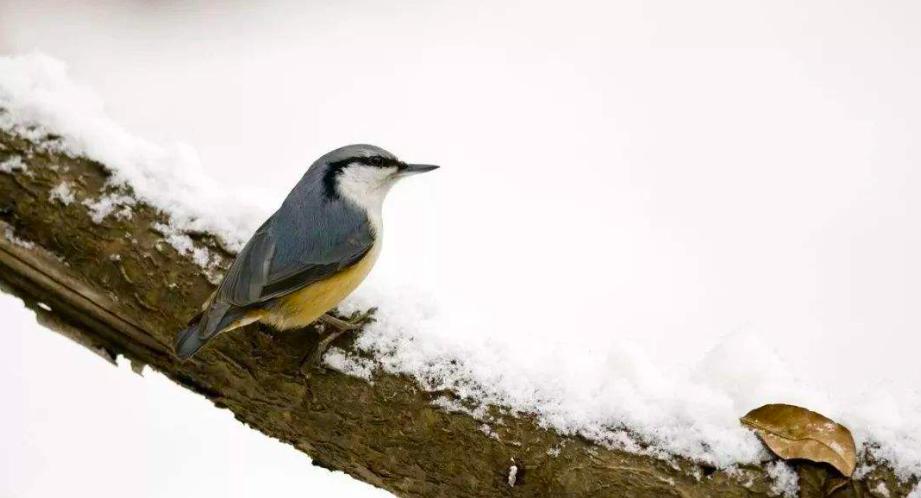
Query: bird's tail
{"x": 189, "y": 341}
{"x": 218, "y": 318}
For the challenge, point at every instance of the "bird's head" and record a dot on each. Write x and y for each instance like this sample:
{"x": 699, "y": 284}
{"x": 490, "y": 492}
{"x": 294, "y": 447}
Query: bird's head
{"x": 364, "y": 173}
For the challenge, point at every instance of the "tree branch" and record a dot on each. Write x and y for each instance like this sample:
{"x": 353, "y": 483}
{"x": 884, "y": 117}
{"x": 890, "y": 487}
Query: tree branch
{"x": 119, "y": 288}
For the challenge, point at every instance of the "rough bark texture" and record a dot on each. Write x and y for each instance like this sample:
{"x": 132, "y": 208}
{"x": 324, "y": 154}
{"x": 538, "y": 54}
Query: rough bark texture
{"x": 118, "y": 288}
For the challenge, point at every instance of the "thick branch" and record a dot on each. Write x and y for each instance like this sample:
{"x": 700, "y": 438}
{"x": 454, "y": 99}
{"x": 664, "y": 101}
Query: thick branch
{"x": 120, "y": 288}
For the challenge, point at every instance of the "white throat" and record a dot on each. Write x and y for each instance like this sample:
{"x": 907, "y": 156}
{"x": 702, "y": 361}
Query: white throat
{"x": 366, "y": 187}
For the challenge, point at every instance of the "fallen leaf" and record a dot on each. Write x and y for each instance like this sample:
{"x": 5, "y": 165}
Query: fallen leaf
{"x": 793, "y": 432}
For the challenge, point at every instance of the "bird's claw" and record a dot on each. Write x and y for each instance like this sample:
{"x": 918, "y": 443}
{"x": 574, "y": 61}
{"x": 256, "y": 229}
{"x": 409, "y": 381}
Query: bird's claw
{"x": 354, "y": 322}
{"x": 363, "y": 317}
{"x": 314, "y": 361}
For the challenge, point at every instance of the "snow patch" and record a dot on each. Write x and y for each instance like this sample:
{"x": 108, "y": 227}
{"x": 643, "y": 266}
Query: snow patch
{"x": 39, "y": 101}
{"x": 103, "y": 207}
{"x": 785, "y": 482}
{"x": 881, "y": 489}
{"x": 11, "y": 236}
{"x": 453, "y": 406}
{"x": 620, "y": 398}
{"x": 743, "y": 477}
{"x": 341, "y": 361}
{"x": 62, "y": 193}
{"x": 862, "y": 471}
{"x": 488, "y": 430}
{"x": 616, "y": 398}
{"x": 184, "y": 245}
{"x": 11, "y": 164}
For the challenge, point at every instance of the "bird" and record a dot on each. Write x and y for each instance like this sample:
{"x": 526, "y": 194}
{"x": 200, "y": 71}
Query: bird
{"x": 310, "y": 254}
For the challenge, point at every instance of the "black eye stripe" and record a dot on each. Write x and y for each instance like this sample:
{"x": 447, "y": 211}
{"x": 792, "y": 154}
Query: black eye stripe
{"x": 377, "y": 161}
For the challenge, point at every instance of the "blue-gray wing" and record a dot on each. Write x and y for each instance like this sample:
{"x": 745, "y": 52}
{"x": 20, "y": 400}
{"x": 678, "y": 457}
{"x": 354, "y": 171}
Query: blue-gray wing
{"x": 299, "y": 245}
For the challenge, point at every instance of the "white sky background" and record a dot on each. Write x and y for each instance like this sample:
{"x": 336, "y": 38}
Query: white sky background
{"x": 665, "y": 173}
{"x": 72, "y": 424}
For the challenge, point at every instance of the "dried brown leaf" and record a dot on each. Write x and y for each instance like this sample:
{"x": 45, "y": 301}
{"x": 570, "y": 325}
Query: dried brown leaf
{"x": 793, "y": 432}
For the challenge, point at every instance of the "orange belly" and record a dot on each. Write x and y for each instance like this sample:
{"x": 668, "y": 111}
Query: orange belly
{"x": 303, "y": 307}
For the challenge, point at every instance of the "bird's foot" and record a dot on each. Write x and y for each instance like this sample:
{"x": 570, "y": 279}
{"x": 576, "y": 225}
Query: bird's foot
{"x": 313, "y": 361}
{"x": 355, "y": 321}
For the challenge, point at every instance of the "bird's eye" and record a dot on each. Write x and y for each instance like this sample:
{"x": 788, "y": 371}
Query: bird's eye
{"x": 377, "y": 161}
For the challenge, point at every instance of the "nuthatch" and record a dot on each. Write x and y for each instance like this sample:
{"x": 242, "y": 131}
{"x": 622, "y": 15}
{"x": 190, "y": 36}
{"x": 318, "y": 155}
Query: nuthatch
{"x": 310, "y": 254}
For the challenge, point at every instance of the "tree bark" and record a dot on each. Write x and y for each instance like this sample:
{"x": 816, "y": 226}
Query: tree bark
{"x": 119, "y": 288}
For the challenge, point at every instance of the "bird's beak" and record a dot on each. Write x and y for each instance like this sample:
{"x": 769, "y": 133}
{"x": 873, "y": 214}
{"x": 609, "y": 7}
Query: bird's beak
{"x": 412, "y": 169}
